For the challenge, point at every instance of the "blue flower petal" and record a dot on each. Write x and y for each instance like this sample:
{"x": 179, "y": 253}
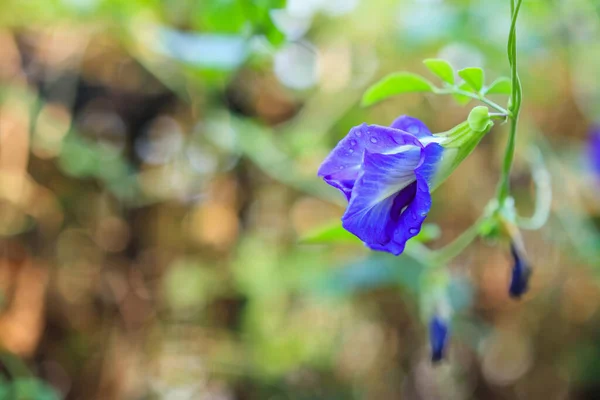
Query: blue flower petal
{"x": 409, "y": 223}
{"x": 438, "y": 337}
{"x": 594, "y": 150}
{"x": 378, "y": 192}
{"x": 432, "y": 156}
{"x": 342, "y": 167}
{"x": 411, "y": 125}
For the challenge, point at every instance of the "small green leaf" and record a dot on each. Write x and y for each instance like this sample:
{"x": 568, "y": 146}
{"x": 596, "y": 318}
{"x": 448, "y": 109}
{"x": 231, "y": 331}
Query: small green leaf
{"x": 441, "y": 68}
{"x": 479, "y": 119}
{"x": 332, "y": 233}
{"x": 499, "y": 86}
{"x": 461, "y": 99}
{"x": 473, "y": 76}
{"x": 393, "y": 84}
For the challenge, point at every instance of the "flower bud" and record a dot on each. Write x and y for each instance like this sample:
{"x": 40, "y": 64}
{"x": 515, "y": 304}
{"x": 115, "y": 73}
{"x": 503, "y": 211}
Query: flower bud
{"x": 460, "y": 141}
{"x": 438, "y": 337}
{"x": 521, "y": 272}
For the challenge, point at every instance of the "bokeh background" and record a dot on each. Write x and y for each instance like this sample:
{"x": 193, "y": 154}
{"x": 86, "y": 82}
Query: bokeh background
{"x": 158, "y": 173}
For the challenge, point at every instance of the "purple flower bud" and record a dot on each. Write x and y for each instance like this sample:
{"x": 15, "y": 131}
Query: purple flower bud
{"x": 438, "y": 337}
{"x": 594, "y": 150}
{"x": 521, "y": 272}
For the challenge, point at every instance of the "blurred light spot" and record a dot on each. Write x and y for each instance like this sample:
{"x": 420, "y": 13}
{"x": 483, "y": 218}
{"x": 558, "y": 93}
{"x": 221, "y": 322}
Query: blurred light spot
{"x": 425, "y": 20}
{"x": 295, "y": 65}
{"x": 112, "y": 234}
{"x": 303, "y": 8}
{"x": 14, "y": 137}
{"x": 104, "y": 126}
{"x": 507, "y": 356}
{"x": 60, "y": 47}
{"x": 161, "y": 142}
{"x": 272, "y": 102}
{"x": 53, "y": 123}
{"x": 359, "y": 350}
{"x": 461, "y": 55}
{"x": 82, "y": 5}
{"x": 214, "y": 224}
{"x": 10, "y": 59}
{"x": 77, "y": 282}
{"x": 73, "y": 245}
{"x": 22, "y": 324}
{"x": 168, "y": 182}
{"x": 220, "y": 132}
{"x": 335, "y": 66}
{"x": 187, "y": 286}
{"x": 205, "y": 50}
{"x": 294, "y": 27}
{"x": 338, "y": 7}
{"x": 14, "y": 220}
{"x": 201, "y": 160}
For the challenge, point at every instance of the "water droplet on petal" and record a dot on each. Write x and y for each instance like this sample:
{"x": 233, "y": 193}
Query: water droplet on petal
{"x": 373, "y": 140}
{"x": 353, "y": 143}
{"x": 341, "y": 167}
{"x": 358, "y": 133}
{"x": 413, "y": 231}
{"x": 350, "y": 151}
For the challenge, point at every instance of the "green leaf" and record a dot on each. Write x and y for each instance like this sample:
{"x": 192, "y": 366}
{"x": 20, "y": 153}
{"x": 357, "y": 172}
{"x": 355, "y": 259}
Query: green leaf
{"x": 479, "y": 119}
{"x": 461, "y": 99}
{"x": 393, "y": 84}
{"x": 499, "y": 86}
{"x": 473, "y": 76}
{"x": 441, "y": 68}
{"x": 332, "y": 233}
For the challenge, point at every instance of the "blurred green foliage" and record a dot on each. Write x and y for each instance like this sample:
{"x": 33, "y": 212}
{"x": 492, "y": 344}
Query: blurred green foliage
{"x": 161, "y": 211}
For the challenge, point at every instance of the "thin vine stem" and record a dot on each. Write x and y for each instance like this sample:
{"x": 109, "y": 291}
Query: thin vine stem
{"x": 475, "y": 96}
{"x": 447, "y": 253}
{"x": 514, "y": 106}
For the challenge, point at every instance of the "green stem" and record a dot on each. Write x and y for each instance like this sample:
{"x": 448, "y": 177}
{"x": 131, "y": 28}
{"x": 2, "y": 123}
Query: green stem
{"x": 474, "y": 96}
{"x": 509, "y": 155}
{"x": 447, "y": 253}
{"x": 514, "y": 107}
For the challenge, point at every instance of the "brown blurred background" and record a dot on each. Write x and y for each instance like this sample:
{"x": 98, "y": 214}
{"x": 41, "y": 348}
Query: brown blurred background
{"x": 158, "y": 169}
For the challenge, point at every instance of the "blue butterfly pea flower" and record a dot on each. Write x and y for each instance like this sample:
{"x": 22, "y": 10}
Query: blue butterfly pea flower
{"x": 438, "y": 337}
{"x": 594, "y": 150}
{"x": 388, "y": 173}
{"x": 521, "y": 272}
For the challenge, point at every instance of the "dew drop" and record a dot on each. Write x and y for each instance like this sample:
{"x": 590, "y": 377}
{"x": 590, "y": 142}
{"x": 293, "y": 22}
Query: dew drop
{"x": 373, "y": 140}
{"x": 350, "y": 151}
{"x": 353, "y": 143}
{"x": 358, "y": 133}
{"x": 413, "y": 231}
{"x": 341, "y": 167}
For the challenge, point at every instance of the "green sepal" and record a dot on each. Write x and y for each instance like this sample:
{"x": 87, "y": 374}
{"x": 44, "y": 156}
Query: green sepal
{"x": 460, "y": 141}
